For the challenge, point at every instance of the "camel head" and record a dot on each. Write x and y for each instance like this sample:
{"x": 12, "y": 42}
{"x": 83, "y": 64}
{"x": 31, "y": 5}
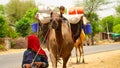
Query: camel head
{"x": 56, "y": 20}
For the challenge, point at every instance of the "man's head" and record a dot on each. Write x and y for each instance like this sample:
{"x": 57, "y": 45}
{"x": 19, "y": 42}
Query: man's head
{"x": 62, "y": 9}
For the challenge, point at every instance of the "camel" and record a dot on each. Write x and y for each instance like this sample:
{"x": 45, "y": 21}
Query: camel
{"x": 79, "y": 39}
{"x": 79, "y": 47}
{"x": 59, "y": 40}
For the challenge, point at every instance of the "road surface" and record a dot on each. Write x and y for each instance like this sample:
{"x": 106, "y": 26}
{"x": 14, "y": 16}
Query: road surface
{"x": 14, "y": 60}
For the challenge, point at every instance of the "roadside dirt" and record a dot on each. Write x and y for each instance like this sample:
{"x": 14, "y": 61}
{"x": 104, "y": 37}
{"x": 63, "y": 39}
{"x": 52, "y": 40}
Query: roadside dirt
{"x": 110, "y": 59}
{"x": 10, "y": 51}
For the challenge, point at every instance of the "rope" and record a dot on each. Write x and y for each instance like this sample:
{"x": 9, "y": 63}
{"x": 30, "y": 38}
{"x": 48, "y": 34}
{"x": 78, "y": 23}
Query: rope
{"x": 40, "y": 47}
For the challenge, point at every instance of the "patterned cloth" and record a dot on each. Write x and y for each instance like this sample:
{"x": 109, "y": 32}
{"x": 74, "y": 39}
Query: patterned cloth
{"x": 33, "y": 49}
{"x": 29, "y": 55}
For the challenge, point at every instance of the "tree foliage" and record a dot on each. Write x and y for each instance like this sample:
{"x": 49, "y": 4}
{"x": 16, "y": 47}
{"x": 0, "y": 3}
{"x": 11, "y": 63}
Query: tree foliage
{"x": 30, "y": 13}
{"x": 113, "y": 24}
{"x": 116, "y": 25}
{"x": 3, "y": 26}
{"x": 116, "y": 20}
{"x": 94, "y": 23}
{"x": 5, "y": 29}
{"x": 118, "y": 9}
{"x": 3, "y": 23}
{"x": 22, "y": 26}
{"x": 1, "y": 9}
{"x": 116, "y": 29}
{"x": 16, "y": 9}
{"x": 107, "y": 22}
{"x": 91, "y": 6}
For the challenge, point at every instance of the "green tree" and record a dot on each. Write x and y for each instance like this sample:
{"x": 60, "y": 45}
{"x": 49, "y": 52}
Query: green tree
{"x": 16, "y": 9}
{"x": 30, "y": 13}
{"x": 22, "y": 27}
{"x": 1, "y": 9}
{"x": 116, "y": 28}
{"x": 5, "y": 29}
{"x": 107, "y": 23}
{"x": 90, "y": 7}
{"x": 116, "y": 20}
{"x": 94, "y": 24}
{"x": 3, "y": 22}
{"x": 3, "y": 26}
{"x": 11, "y": 32}
{"x": 118, "y": 9}
{"x": 116, "y": 24}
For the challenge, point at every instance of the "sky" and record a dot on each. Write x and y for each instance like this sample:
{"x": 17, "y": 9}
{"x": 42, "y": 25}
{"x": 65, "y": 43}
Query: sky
{"x": 107, "y": 9}
{"x": 4, "y": 1}
{"x": 66, "y": 3}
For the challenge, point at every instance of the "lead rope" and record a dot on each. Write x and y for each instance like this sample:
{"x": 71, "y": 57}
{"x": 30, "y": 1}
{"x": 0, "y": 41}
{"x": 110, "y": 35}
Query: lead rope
{"x": 40, "y": 47}
{"x": 42, "y": 42}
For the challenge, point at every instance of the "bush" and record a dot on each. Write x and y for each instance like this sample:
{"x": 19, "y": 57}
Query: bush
{"x": 12, "y": 44}
{"x": 19, "y": 43}
{"x": 2, "y": 47}
{"x": 11, "y": 33}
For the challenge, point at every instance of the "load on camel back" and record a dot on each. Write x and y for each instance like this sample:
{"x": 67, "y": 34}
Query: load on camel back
{"x": 73, "y": 15}
{"x": 60, "y": 35}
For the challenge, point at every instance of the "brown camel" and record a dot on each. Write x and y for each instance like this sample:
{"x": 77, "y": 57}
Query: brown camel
{"x": 79, "y": 38}
{"x": 60, "y": 42}
{"x": 79, "y": 47}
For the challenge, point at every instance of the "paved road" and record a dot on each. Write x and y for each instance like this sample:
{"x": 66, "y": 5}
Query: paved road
{"x": 14, "y": 60}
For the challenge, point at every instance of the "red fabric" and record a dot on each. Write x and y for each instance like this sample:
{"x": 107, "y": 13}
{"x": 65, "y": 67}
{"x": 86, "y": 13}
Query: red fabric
{"x": 34, "y": 44}
{"x": 76, "y": 10}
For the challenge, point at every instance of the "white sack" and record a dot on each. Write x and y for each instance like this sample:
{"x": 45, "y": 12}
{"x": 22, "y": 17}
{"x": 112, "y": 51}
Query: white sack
{"x": 73, "y": 18}
{"x": 44, "y": 17}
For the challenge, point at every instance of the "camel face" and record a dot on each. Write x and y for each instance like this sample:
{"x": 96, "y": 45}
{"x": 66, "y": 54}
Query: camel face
{"x": 55, "y": 20}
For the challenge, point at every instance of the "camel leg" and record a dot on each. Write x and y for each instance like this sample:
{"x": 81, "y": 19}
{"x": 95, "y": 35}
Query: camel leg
{"x": 53, "y": 60}
{"x": 76, "y": 53}
{"x": 65, "y": 60}
{"x": 70, "y": 60}
{"x": 79, "y": 52}
{"x": 82, "y": 50}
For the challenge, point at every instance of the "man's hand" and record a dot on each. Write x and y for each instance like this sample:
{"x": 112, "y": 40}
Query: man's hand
{"x": 28, "y": 66}
{"x": 38, "y": 64}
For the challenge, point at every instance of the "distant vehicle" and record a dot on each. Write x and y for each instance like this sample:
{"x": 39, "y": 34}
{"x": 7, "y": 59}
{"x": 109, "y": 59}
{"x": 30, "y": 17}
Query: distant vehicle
{"x": 116, "y": 37}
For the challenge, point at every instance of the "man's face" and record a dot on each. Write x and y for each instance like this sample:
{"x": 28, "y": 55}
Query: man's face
{"x": 62, "y": 11}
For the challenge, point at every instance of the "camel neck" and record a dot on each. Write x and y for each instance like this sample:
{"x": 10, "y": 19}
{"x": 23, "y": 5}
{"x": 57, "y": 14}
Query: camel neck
{"x": 59, "y": 37}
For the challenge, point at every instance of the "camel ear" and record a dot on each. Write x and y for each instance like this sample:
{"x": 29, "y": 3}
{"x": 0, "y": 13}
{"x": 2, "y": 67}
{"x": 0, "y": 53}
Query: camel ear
{"x": 51, "y": 14}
